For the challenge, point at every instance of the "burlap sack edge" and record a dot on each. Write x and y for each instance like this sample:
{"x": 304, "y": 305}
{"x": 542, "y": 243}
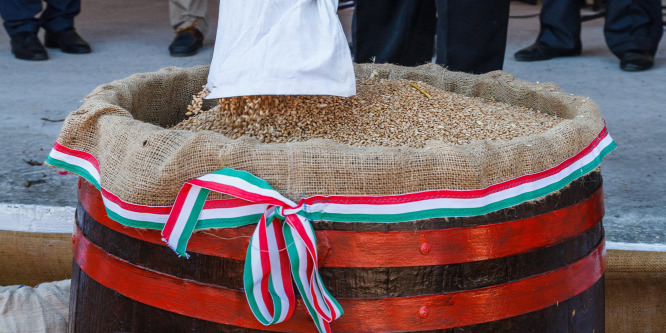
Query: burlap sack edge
{"x": 147, "y": 164}
{"x": 648, "y": 263}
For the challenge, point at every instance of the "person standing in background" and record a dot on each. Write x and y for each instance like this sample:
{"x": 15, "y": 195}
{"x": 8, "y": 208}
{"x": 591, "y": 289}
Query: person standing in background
{"x": 471, "y": 34}
{"x": 22, "y": 20}
{"x": 633, "y": 29}
{"x": 189, "y": 20}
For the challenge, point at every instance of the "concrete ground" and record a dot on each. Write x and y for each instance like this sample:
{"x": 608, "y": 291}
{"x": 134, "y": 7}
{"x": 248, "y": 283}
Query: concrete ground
{"x": 132, "y": 36}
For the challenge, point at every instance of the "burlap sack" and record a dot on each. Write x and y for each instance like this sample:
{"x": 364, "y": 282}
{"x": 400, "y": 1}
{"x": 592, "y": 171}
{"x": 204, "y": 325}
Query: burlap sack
{"x": 31, "y": 258}
{"x": 635, "y": 292}
{"x": 123, "y": 125}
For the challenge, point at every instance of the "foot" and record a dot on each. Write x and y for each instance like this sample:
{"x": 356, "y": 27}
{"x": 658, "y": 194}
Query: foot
{"x": 187, "y": 42}
{"x": 634, "y": 61}
{"x": 67, "y": 40}
{"x": 540, "y": 51}
{"x": 26, "y": 46}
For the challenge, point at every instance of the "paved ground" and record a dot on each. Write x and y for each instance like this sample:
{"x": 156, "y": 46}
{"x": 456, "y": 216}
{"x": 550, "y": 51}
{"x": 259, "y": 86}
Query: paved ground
{"x": 129, "y": 37}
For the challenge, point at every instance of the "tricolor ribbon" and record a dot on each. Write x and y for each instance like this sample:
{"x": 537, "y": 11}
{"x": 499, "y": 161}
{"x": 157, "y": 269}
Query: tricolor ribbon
{"x": 283, "y": 246}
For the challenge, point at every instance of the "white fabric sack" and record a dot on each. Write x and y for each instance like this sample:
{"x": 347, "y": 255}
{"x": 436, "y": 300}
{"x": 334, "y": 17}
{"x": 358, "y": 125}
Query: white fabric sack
{"x": 42, "y": 309}
{"x": 280, "y": 47}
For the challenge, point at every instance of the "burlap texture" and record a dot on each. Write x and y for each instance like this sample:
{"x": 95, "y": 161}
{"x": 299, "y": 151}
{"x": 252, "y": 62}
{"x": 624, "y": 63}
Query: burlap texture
{"x": 635, "y": 292}
{"x": 123, "y": 125}
{"x": 31, "y": 258}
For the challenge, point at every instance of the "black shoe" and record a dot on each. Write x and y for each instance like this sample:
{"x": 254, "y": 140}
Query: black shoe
{"x": 187, "y": 42}
{"x": 67, "y": 40}
{"x": 26, "y": 46}
{"x": 541, "y": 51}
{"x": 635, "y": 61}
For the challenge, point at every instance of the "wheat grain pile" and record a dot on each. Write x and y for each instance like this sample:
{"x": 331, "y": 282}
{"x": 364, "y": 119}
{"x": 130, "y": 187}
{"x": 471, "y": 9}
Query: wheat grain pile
{"x": 384, "y": 112}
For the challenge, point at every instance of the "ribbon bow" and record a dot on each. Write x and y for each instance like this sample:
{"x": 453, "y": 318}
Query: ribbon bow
{"x": 283, "y": 243}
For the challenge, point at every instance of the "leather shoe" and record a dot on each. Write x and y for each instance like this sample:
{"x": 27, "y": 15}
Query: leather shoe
{"x": 187, "y": 42}
{"x": 634, "y": 61}
{"x": 67, "y": 40}
{"x": 26, "y": 46}
{"x": 541, "y": 51}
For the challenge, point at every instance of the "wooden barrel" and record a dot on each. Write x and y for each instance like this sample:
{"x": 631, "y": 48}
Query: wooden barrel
{"x": 535, "y": 267}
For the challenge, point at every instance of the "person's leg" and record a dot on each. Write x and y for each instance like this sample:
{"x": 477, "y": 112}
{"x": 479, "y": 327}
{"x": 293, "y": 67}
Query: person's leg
{"x": 19, "y": 15}
{"x": 58, "y": 21}
{"x": 189, "y": 19}
{"x": 59, "y": 14}
{"x": 560, "y": 24}
{"x": 21, "y": 25}
{"x": 559, "y": 35}
{"x": 394, "y": 31}
{"x": 471, "y": 34}
{"x": 187, "y": 13}
{"x": 633, "y": 25}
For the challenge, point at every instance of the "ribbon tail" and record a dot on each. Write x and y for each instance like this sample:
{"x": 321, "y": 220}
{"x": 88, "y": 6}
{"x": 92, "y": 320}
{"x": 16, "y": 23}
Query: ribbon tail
{"x": 266, "y": 278}
{"x": 183, "y": 217}
{"x": 321, "y": 305}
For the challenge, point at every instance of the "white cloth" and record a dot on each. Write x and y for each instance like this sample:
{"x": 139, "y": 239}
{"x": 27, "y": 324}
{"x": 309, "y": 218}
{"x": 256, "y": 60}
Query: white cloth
{"x": 280, "y": 47}
{"x": 42, "y": 309}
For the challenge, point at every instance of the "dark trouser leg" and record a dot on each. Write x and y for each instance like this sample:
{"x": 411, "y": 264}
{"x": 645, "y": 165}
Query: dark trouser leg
{"x": 633, "y": 25}
{"x": 19, "y": 15}
{"x": 394, "y": 31}
{"x": 59, "y": 14}
{"x": 560, "y": 24}
{"x": 471, "y": 34}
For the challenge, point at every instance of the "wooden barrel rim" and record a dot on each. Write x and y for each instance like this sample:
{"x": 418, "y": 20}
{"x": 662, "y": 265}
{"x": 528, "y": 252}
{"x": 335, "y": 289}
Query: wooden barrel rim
{"x": 226, "y": 306}
{"x": 375, "y": 249}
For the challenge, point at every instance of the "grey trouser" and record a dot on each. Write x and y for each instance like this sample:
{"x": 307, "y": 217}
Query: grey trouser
{"x": 184, "y": 13}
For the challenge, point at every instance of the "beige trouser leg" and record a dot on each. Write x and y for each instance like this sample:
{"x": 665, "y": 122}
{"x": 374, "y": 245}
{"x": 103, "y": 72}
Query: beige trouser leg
{"x": 184, "y": 13}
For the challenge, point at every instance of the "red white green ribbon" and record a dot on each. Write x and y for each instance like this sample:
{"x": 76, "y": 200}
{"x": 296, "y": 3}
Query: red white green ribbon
{"x": 283, "y": 245}
{"x": 267, "y": 275}
{"x": 284, "y": 225}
